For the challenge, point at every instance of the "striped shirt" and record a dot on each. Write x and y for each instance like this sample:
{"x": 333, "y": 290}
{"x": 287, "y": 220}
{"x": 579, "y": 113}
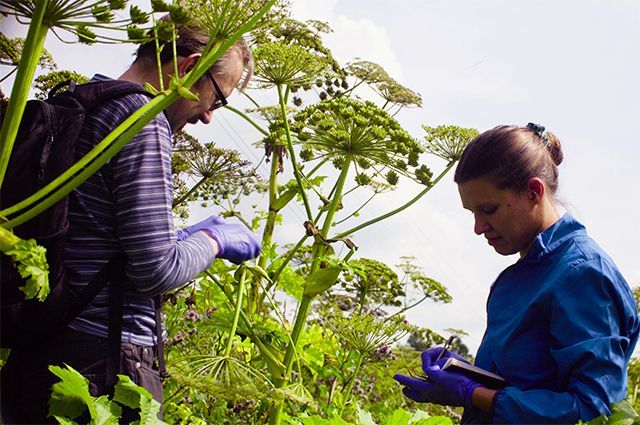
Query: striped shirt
{"x": 126, "y": 206}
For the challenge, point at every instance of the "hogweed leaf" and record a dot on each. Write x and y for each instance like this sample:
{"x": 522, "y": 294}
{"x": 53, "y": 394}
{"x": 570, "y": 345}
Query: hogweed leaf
{"x": 31, "y": 263}
{"x": 321, "y": 280}
{"x": 70, "y": 396}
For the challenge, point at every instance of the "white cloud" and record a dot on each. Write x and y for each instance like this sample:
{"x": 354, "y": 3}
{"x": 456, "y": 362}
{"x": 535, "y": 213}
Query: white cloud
{"x": 351, "y": 37}
{"x": 365, "y": 39}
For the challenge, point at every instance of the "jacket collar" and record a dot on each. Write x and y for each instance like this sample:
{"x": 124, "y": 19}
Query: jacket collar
{"x": 561, "y": 231}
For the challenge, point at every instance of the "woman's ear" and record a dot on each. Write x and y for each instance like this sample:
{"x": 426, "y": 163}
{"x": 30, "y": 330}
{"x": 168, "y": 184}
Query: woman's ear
{"x": 536, "y": 188}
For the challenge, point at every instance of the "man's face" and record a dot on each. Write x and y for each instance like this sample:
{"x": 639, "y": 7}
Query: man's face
{"x": 184, "y": 111}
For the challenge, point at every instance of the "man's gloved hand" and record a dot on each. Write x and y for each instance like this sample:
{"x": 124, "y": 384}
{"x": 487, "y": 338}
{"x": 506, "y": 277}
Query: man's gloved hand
{"x": 214, "y": 220}
{"x": 446, "y": 388}
{"x": 236, "y": 242}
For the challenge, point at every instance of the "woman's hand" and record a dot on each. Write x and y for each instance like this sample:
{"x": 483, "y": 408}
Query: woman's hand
{"x": 442, "y": 387}
{"x": 429, "y": 357}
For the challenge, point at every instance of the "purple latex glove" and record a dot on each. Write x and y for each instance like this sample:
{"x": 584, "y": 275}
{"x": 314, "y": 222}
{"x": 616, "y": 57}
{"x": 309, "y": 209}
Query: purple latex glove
{"x": 429, "y": 357}
{"x": 446, "y": 388}
{"x": 236, "y": 242}
{"x": 214, "y": 220}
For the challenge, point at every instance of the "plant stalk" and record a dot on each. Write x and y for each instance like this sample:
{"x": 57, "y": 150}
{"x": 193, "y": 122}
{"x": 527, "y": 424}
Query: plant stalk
{"x": 267, "y": 234}
{"x": 399, "y": 209}
{"x": 305, "y": 303}
{"x": 20, "y": 91}
{"x": 292, "y": 156}
{"x": 347, "y": 393}
{"x": 248, "y": 119}
{"x": 185, "y": 197}
{"x": 236, "y": 314}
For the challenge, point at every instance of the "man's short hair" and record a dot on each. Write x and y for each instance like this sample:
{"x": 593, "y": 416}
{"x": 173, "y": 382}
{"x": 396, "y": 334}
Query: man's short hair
{"x": 192, "y": 39}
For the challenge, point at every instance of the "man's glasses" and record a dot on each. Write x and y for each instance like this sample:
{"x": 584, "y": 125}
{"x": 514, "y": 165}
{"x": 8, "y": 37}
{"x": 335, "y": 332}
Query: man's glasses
{"x": 221, "y": 99}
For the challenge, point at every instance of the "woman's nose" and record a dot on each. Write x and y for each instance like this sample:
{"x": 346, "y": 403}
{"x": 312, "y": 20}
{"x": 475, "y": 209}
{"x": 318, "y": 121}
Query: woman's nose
{"x": 481, "y": 226}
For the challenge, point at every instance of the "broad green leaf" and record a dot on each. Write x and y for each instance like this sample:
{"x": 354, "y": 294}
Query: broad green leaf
{"x": 365, "y": 418}
{"x": 31, "y": 262}
{"x": 64, "y": 421}
{"x": 434, "y": 420}
{"x": 104, "y": 411}
{"x": 70, "y": 396}
{"x": 128, "y": 393}
{"x": 321, "y": 280}
{"x": 398, "y": 417}
{"x": 291, "y": 282}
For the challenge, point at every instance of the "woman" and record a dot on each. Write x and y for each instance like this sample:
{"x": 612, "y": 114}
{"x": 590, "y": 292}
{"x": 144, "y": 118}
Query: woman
{"x": 561, "y": 322}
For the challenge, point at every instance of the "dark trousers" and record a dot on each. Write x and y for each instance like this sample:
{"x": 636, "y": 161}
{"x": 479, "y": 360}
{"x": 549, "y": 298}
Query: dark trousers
{"x": 25, "y": 380}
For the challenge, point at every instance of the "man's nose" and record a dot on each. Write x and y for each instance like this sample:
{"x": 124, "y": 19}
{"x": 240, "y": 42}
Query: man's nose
{"x": 206, "y": 117}
{"x": 481, "y": 226}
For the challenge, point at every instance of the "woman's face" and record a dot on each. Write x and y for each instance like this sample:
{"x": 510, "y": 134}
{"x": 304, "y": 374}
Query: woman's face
{"x": 508, "y": 219}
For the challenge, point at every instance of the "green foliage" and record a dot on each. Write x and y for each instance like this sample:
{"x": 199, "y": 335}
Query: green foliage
{"x": 321, "y": 280}
{"x": 131, "y": 395}
{"x": 448, "y": 141}
{"x": 31, "y": 262}
{"x": 279, "y": 64}
{"x": 344, "y": 128}
{"x": 45, "y": 83}
{"x": 221, "y": 18}
{"x": 11, "y": 52}
{"x": 70, "y": 398}
{"x": 89, "y": 23}
{"x": 622, "y": 413}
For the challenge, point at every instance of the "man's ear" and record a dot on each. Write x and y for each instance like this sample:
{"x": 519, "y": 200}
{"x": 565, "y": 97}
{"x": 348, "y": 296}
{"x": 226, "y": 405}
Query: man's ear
{"x": 185, "y": 64}
{"x": 536, "y": 188}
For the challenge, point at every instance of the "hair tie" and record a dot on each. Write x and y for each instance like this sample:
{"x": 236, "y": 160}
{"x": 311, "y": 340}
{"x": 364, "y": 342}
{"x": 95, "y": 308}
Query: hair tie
{"x": 541, "y": 132}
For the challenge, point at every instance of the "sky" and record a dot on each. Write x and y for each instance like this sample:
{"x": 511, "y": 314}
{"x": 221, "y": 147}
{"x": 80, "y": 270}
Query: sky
{"x": 570, "y": 65}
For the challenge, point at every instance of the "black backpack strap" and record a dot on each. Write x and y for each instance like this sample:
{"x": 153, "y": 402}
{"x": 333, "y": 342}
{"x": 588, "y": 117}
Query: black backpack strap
{"x": 116, "y": 292}
{"x": 162, "y": 368}
{"x": 96, "y": 284}
{"x": 96, "y": 93}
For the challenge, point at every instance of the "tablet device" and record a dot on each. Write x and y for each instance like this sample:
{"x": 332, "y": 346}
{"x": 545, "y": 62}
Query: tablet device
{"x": 479, "y": 375}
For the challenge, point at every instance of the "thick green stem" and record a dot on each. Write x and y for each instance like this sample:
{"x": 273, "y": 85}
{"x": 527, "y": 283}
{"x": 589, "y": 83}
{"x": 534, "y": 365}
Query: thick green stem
{"x": 292, "y": 156}
{"x": 347, "y": 392}
{"x": 7, "y": 240}
{"x": 20, "y": 91}
{"x": 305, "y": 303}
{"x": 236, "y": 315}
{"x": 267, "y": 234}
{"x": 91, "y": 162}
{"x": 337, "y": 198}
{"x": 248, "y": 119}
{"x": 399, "y": 209}
{"x": 149, "y": 111}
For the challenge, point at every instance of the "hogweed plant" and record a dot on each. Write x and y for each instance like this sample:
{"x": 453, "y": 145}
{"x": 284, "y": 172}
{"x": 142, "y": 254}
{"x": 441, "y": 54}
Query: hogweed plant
{"x": 230, "y": 335}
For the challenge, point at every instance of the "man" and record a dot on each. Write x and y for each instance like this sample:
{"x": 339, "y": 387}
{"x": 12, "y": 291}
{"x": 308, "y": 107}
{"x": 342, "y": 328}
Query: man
{"x": 127, "y": 207}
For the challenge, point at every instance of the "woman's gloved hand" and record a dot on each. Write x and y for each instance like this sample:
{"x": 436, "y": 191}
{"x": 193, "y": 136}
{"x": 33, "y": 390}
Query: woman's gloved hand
{"x": 429, "y": 357}
{"x": 441, "y": 387}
